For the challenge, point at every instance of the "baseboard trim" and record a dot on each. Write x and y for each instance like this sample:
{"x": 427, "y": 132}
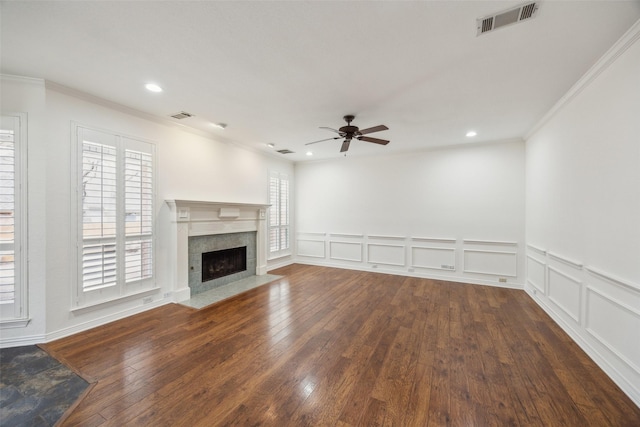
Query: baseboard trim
{"x": 22, "y": 341}
{"x": 420, "y": 275}
{"x": 103, "y": 320}
{"x": 583, "y": 342}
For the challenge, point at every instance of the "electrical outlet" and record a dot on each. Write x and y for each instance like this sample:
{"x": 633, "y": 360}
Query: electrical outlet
{"x": 167, "y": 294}
{"x": 374, "y": 266}
{"x": 535, "y": 292}
{"x": 411, "y": 270}
{"x": 147, "y": 300}
{"x": 502, "y": 280}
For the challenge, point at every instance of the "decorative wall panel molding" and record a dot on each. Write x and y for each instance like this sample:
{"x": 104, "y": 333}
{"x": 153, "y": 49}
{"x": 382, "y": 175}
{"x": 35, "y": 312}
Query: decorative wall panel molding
{"x": 348, "y": 235}
{"x": 605, "y": 312}
{"x": 382, "y": 237}
{"x": 565, "y": 292}
{"x": 311, "y": 248}
{"x": 433, "y": 258}
{"x": 536, "y": 272}
{"x": 612, "y": 279}
{"x": 598, "y": 309}
{"x": 568, "y": 261}
{"x": 496, "y": 263}
{"x": 386, "y": 254}
{"x": 489, "y": 242}
{"x": 537, "y": 249}
{"x": 345, "y": 251}
{"x": 434, "y": 239}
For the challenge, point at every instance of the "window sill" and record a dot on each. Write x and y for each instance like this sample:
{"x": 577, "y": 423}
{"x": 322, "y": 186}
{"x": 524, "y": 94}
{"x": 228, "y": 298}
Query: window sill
{"x": 14, "y": 323}
{"x": 91, "y": 305}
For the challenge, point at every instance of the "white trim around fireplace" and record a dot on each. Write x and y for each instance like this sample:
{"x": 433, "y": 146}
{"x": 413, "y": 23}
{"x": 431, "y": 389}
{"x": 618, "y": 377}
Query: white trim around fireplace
{"x": 200, "y": 218}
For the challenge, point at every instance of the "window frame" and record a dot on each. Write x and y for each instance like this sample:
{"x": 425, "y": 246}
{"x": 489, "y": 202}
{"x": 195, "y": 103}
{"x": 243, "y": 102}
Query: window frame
{"x": 121, "y": 289}
{"x": 277, "y": 206}
{"x": 19, "y": 309}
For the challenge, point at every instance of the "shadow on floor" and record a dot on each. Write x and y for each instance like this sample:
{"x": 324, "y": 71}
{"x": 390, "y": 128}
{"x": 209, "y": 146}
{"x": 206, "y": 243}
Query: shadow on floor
{"x": 35, "y": 389}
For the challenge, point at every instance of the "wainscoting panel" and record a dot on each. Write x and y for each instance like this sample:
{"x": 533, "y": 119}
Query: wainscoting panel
{"x": 345, "y": 251}
{"x": 311, "y": 248}
{"x": 609, "y": 321}
{"x": 565, "y": 292}
{"x": 433, "y": 258}
{"x": 536, "y": 274}
{"x": 378, "y": 253}
{"x": 599, "y": 310}
{"x": 497, "y": 263}
{"x": 486, "y": 262}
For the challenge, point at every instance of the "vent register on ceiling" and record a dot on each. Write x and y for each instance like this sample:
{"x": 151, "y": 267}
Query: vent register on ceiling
{"x": 484, "y": 25}
{"x": 507, "y": 17}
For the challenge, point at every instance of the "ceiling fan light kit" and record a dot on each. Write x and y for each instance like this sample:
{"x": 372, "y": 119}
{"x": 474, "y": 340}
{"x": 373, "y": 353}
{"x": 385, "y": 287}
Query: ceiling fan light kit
{"x": 350, "y": 132}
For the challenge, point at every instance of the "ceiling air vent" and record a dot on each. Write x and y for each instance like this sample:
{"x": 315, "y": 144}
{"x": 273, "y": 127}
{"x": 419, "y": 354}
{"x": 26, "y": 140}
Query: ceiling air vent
{"x": 285, "y": 151}
{"x": 181, "y": 115}
{"x": 507, "y": 17}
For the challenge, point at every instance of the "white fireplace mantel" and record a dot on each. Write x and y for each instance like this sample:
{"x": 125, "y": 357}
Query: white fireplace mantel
{"x": 200, "y": 218}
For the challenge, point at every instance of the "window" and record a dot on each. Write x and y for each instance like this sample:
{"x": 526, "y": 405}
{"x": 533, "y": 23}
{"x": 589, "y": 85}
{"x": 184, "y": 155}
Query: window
{"x": 278, "y": 215}
{"x": 115, "y": 216}
{"x": 13, "y": 289}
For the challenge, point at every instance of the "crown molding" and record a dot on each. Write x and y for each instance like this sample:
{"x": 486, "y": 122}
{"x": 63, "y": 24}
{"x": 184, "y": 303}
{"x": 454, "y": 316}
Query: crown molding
{"x": 22, "y": 79}
{"x": 625, "y": 42}
{"x": 66, "y": 90}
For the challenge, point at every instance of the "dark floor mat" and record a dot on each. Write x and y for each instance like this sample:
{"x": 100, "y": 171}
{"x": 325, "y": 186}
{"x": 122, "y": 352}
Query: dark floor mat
{"x": 35, "y": 389}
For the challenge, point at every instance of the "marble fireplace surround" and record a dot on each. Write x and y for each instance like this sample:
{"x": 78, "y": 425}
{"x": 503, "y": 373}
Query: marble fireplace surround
{"x": 202, "y": 218}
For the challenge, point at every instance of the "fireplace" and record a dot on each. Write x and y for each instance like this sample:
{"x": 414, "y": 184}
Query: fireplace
{"x": 218, "y": 259}
{"x": 223, "y": 263}
{"x": 198, "y": 227}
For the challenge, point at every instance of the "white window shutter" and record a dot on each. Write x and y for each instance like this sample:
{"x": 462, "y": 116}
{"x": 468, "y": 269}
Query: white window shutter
{"x": 278, "y": 214}
{"x": 116, "y": 192}
{"x": 7, "y": 215}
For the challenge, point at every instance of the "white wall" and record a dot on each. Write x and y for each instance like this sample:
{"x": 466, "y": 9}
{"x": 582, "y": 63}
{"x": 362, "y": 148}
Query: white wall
{"x": 20, "y": 95}
{"x": 583, "y": 213}
{"x": 190, "y": 166}
{"x": 412, "y": 213}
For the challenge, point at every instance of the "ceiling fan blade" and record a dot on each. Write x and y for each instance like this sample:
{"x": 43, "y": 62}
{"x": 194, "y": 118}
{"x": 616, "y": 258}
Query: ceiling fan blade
{"x": 373, "y": 129}
{"x": 331, "y": 129}
{"x": 322, "y": 140}
{"x": 374, "y": 140}
{"x": 345, "y": 145}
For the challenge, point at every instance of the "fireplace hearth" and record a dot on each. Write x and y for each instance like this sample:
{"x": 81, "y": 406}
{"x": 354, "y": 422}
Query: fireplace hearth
{"x": 224, "y": 262}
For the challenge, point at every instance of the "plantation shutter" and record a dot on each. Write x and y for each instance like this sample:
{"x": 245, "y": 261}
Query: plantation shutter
{"x": 99, "y": 207}
{"x": 284, "y": 212}
{"x": 274, "y": 200}
{"x": 117, "y": 192}
{"x": 278, "y": 214}
{"x": 8, "y": 216}
{"x": 138, "y": 193}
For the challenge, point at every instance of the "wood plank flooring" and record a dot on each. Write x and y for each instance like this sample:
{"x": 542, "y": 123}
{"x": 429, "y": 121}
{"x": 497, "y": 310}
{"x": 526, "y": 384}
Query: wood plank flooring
{"x": 331, "y": 347}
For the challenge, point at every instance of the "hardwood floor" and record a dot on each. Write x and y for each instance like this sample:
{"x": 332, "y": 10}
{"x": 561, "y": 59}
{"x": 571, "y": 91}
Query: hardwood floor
{"x": 330, "y": 347}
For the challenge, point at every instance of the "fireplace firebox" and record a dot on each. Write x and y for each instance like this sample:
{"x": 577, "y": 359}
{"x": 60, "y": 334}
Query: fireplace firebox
{"x": 223, "y": 262}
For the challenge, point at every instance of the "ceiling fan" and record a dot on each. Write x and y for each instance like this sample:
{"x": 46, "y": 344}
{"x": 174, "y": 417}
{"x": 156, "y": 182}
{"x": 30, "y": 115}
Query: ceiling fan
{"x": 350, "y": 132}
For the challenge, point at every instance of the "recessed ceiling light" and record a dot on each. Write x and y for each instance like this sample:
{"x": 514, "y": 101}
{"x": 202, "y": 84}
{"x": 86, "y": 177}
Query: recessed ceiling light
{"x": 219, "y": 125}
{"x": 309, "y": 153}
{"x": 153, "y": 87}
{"x": 472, "y": 133}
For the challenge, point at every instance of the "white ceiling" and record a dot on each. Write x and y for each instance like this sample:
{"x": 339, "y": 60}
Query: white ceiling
{"x": 275, "y": 71}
